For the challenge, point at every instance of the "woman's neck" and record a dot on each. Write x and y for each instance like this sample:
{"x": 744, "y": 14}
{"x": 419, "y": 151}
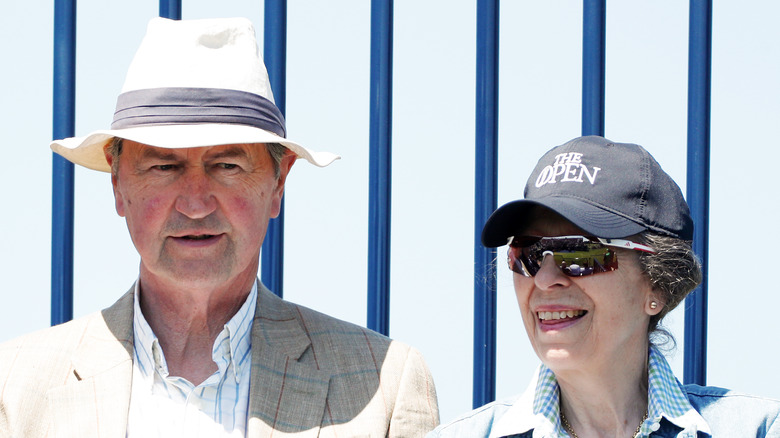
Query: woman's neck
{"x": 608, "y": 400}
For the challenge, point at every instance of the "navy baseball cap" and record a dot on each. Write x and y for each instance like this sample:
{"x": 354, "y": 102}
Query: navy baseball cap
{"x": 608, "y": 189}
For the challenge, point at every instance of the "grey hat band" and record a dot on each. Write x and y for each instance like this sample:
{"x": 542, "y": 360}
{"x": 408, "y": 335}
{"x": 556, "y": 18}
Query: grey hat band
{"x": 175, "y": 105}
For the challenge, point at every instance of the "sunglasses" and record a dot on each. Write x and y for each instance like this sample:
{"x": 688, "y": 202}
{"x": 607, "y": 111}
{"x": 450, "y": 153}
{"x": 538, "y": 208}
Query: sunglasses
{"x": 575, "y": 256}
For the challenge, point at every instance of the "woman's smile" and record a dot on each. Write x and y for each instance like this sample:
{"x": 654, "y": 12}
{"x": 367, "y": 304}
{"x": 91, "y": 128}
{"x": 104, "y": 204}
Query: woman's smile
{"x": 565, "y": 314}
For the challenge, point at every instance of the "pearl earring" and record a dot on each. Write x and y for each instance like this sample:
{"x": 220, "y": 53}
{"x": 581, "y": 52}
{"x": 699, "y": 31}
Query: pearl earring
{"x": 653, "y": 305}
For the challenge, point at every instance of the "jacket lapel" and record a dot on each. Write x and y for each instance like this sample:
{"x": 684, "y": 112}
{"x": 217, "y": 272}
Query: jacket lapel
{"x": 288, "y": 393}
{"x": 96, "y": 398}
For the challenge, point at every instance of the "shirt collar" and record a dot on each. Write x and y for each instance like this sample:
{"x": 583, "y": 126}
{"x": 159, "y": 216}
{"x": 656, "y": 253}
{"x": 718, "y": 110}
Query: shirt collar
{"x": 238, "y": 333}
{"x": 666, "y": 398}
{"x": 233, "y": 344}
{"x": 538, "y": 408}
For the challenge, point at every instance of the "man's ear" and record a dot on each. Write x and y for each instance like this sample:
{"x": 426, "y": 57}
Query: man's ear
{"x": 118, "y": 200}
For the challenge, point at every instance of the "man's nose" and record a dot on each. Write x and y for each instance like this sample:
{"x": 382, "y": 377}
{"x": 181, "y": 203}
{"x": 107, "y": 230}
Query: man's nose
{"x": 196, "y": 197}
{"x": 550, "y": 275}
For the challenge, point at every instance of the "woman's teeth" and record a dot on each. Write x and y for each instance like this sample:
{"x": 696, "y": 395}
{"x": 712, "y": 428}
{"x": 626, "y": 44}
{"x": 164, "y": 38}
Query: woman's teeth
{"x": 560, "y": 315}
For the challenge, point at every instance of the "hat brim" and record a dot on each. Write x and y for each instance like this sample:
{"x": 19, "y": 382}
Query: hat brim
{"x": 595, "y": 220}
{"x": 88, "y": 151}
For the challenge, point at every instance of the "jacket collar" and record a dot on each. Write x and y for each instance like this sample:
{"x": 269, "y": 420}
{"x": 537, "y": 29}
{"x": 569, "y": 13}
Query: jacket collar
{"x": 288, "y": 391}
{"x": 98, "y": 392}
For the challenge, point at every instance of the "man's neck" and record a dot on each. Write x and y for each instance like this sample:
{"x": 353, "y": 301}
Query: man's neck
{"x": 187, "y": 321}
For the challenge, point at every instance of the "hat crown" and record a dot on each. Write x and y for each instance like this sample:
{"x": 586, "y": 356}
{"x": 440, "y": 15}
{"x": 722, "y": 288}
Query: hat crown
{"x": 607, "y": 189}
{"x": 192, "y": 83}
{"x": 589, "y": 168}
{"x": 619, "y": 178}
{"x": 210, "y": 53}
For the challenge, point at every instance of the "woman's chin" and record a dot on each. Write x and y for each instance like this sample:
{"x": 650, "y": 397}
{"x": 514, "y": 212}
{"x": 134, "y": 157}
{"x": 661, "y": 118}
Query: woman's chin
{"x": 556, "y": 357}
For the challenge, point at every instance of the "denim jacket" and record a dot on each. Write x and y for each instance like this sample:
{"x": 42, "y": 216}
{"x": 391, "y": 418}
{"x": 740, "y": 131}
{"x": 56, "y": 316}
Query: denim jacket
{"x": 674, "y": 411}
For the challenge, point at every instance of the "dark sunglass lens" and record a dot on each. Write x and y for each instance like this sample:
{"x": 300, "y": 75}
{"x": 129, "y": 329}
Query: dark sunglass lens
{"x": 519, "y": 263}
{"x": 593, "y": 259}
{"x": 575, "y": 256}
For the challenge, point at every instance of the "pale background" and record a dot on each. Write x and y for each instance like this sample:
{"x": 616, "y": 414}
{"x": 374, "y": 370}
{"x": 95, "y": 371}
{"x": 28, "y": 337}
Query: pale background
{"x": 433, "y": 161}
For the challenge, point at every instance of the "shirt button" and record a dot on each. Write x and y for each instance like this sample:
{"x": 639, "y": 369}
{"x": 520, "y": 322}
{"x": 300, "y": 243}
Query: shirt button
{"x": 654, "y": 427}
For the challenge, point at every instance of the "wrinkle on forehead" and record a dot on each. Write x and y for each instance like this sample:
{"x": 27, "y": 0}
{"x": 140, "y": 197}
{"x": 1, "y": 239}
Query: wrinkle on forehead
{"x": 154, "y": 153}
{"x": 231, "y": 151}
{"x": 216, "y": 151}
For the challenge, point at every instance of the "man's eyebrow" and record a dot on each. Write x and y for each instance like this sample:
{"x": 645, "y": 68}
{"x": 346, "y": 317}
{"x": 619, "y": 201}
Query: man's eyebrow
{"x": 159, "y": 154}
{"x": 231, "y": 152}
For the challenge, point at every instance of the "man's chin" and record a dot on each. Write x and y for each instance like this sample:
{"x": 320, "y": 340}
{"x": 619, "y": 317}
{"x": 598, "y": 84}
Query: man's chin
{"x": 198, "y": 273}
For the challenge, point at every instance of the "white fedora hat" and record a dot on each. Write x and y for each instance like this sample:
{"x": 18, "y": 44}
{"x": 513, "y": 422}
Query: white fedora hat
{"x": 192, "y": 83}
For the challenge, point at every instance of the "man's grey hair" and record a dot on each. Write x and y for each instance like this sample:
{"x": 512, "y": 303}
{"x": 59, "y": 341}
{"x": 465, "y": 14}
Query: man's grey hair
{"x": 674, "y": 271}
{"x": 115, "y": 150}
{"x": 276, "y": 151}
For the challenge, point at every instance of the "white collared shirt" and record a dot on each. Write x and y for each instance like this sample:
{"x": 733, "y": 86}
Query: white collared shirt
{"x": 168, "y": 406}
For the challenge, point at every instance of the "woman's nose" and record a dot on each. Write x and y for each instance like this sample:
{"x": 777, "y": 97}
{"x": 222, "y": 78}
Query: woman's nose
{"x": 550, "y": 275}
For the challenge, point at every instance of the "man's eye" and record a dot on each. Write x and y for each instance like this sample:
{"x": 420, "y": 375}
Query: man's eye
{"x": 227, "y": 166}
{"x": 164, "y": 167}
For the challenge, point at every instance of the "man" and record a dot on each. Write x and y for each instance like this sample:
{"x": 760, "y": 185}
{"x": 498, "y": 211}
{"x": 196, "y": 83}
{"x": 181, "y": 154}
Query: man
{"x": 198, "y": 347}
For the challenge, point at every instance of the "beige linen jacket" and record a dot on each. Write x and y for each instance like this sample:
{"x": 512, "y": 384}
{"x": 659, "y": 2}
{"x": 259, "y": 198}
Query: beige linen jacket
{"x": 312, "y": 376}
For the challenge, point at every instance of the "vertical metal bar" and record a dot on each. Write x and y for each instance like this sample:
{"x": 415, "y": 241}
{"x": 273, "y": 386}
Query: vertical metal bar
{"x": 275, "y": 57}
{"x": 63, "y": 125}
{"x": 593, "y": 66}
{"x": 379, "y": 167}
{"x": 170, "y": 9}
{"x": 698, "y": 177}
{"x": 486, "y": 171}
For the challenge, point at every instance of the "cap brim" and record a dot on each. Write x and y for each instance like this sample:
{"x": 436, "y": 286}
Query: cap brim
{"x": 88, "y": 151}
{"x": 594, "y": 220}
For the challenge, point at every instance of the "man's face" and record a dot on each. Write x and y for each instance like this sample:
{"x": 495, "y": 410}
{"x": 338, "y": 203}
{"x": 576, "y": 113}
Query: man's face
{"x": 198, "y": 216}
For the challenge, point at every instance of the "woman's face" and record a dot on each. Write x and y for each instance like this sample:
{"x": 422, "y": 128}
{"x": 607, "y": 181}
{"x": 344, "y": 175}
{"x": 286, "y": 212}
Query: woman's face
{"x": 605, "y": 316}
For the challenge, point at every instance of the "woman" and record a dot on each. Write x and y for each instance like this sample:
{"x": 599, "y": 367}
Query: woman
{"x": 600, "y": 250}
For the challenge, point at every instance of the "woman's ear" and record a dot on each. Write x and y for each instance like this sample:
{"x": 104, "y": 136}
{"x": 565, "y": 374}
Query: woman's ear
{"x": 654, "y": 305}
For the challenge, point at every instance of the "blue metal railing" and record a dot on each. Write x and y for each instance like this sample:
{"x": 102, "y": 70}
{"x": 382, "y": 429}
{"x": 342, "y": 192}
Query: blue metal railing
{"x": 380, "y": 165}
{"x": 698, "y": 176}
{"x": 275, "y": 57}
{"x": 594, "y": 13}
{"x": 170, "y": 9}
{"x": 63, "y": 125}
{"x": 486, "y": 199}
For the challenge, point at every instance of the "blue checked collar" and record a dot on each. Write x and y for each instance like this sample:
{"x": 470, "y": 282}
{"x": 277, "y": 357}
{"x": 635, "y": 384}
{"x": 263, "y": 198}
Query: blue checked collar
{"x": 666, "y": 399}
{"x": 233, "y": 344}
{"x": 538, "y": 408}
